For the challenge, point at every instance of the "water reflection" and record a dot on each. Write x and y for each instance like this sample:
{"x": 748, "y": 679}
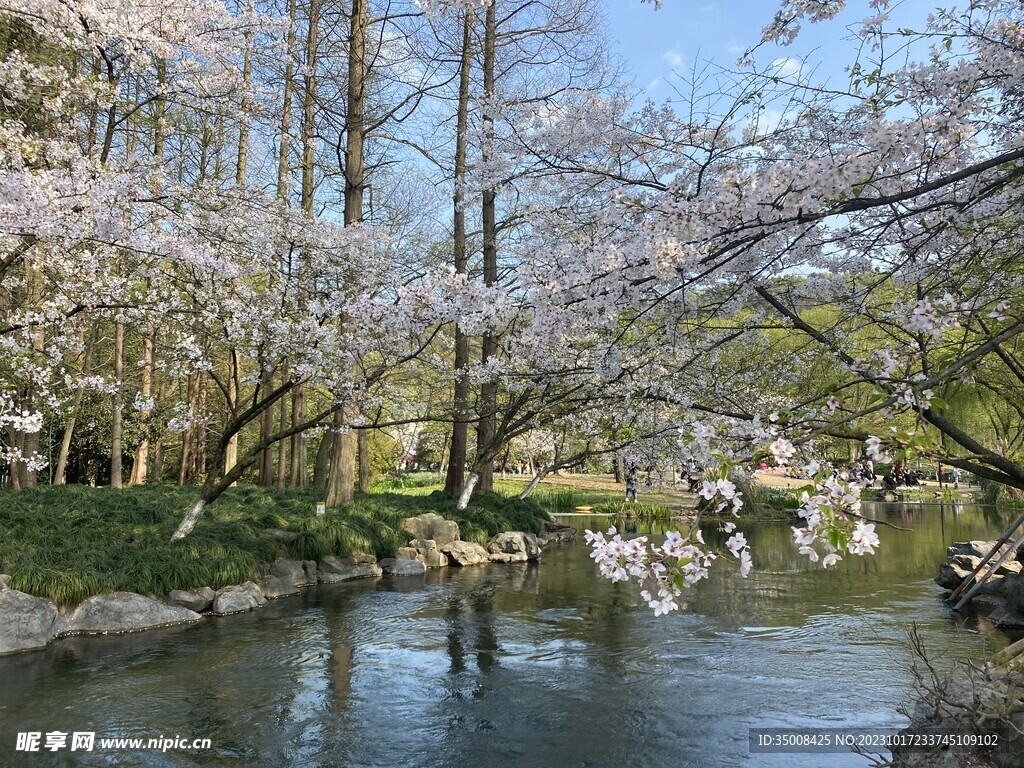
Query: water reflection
{"x": 522, "y": 665}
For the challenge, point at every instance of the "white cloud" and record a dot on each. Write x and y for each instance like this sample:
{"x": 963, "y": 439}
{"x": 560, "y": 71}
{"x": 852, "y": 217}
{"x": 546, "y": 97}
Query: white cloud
{"x": 673, "y": 57}
{"x": 787, "y": 67}
{"x": 653, "y": 84}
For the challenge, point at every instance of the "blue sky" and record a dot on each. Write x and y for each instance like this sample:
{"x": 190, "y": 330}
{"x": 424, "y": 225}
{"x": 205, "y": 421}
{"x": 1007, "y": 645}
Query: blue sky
{"x": 654, "y": 43}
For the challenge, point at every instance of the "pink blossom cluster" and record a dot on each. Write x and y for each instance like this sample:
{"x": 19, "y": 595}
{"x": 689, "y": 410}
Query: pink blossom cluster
{"x": 663, "y": 571}
{"x": 832, "y": 522}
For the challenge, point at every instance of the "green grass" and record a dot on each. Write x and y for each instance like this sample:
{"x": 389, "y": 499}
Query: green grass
{"x": 641, "y": 510}
{"x": 67, "y": 543}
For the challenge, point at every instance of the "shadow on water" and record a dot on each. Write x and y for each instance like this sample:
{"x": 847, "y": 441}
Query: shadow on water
{"x": 521, "y": 665}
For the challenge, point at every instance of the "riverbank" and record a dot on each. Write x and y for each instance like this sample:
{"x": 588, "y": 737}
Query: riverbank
{"x": 69, "y": 543}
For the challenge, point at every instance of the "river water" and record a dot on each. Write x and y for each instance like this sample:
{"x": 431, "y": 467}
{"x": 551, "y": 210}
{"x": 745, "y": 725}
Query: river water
{"x": 524, "y": 665}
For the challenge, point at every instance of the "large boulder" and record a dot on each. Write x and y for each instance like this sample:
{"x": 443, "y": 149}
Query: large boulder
{"x": 299, "y": 573}
{"x": 26, "y": 622}
{"x": 125, "y": 612}
{"x": 465, "y": 553}
{"x": 238, "y": 599}
{"x": 513, "y": 547}
{"x": 424, "y": 550}
{"x": 197, "y": 600}
{"x": 978, "y": 548}
{"x": 432, "y": 526}
{"x": 277, "y": 586}
{"x": 333, "y": 569}
{"x": 393, "y": 566}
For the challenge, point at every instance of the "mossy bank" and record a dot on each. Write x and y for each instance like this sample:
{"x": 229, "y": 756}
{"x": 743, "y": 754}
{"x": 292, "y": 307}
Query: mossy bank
{"x": 71, "y": 542}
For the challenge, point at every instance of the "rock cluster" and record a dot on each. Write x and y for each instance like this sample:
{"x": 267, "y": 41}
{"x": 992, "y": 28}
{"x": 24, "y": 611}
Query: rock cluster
{"x": 1002, "y": 594}
{"x": 28, "y": 623}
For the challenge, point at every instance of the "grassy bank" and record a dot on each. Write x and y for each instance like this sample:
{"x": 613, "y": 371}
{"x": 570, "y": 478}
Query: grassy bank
{"x": 67, "y": 543}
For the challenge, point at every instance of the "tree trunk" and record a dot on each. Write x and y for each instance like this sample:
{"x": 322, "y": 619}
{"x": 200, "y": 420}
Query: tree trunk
{"x": 266, "y": 428}
{"x": 534, "y": 481}
{"x": 455, "y": 479}
{"x": 363, "y": 446}
{"x": 140, "y": 466}
{"x": 486, "y": 428}
{"x": 298, "y": 469}
{"x": 231, "y": 454}
{"x": 322, "y": 462}
{"x": 282, "y": 449}
{"x": 116, "y": 448}
{"x": 467, "y": 492}
{"x": 60, "y": 473}
{"x": 341, "y": 484}
{"x": 297, "y": 478}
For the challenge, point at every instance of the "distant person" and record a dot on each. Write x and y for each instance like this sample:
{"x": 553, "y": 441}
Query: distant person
{"x": 956, "y": 477}
{"x": 632, "y": 473}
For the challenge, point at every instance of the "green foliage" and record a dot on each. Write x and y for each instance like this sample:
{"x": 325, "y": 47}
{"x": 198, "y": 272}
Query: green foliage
{"x": 66, "y": 543}
{"x": 629, "y": 508}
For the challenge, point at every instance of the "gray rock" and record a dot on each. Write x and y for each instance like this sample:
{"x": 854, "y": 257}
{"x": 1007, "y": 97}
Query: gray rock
{"x": 407, "y": 553}
{"x": 434, "y": 559}
{"x": 975, "y": 548}
{"x": 237, "y": 599}
{"x": 424, "y": 545}
{"x": 333, "y": 569}
{"x": 1006, "y": 618}
{"x": 970, "y": 562}
{"x": 556, "y": 537}
{"x": 517, "y": 545}
{"x": 295, "y": 571}
{"x": 465, "y": 553}
{"x": 26, "y": 622}
{"x": 5, "y": 581}
{"x": 432, "y": 526}
{"x": 309, "y": 566}
{"x": 396, "y": 567}
{"x": 507, "y": 557}
{"x": 278, "y": 586}
{"x": 363, "y": 559}
{"x": 197, "y": 600}
{"x": 126, "y": 612}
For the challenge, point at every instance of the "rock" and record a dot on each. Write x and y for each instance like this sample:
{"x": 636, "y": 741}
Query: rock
{"x": 5, "y": 581}
{"x": 975, "y": 548}
{"x": 197, "y": 600}
{"x": 126, "y": 612}
{"x": 26, "y": 622}
{"x": 518, "y": 546}
{"x": 424, "y": 545}
{"x": 556, "y": 537}
{"x": 434, "y": 559}
{"x": 407, "y": 553}
{"x": 277, "y": 533}
{"x": 432, "y": 526}
{"x": 1006, "y": 618}
{"x": 362, "y": 559}
{"x": 396, "y": 567}
{"x": 295, "y": 571}
{"x": 1013, "y": 591}
{"x": 237, "y": 599}
{"x": 507, "y": 557}
{"x": 465, "y": 553}
{"x": 278, "y": 586}
{"x": 333, "y": 569}
{"x": 970, "y": 562}
{"x": 950, "y": 576}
